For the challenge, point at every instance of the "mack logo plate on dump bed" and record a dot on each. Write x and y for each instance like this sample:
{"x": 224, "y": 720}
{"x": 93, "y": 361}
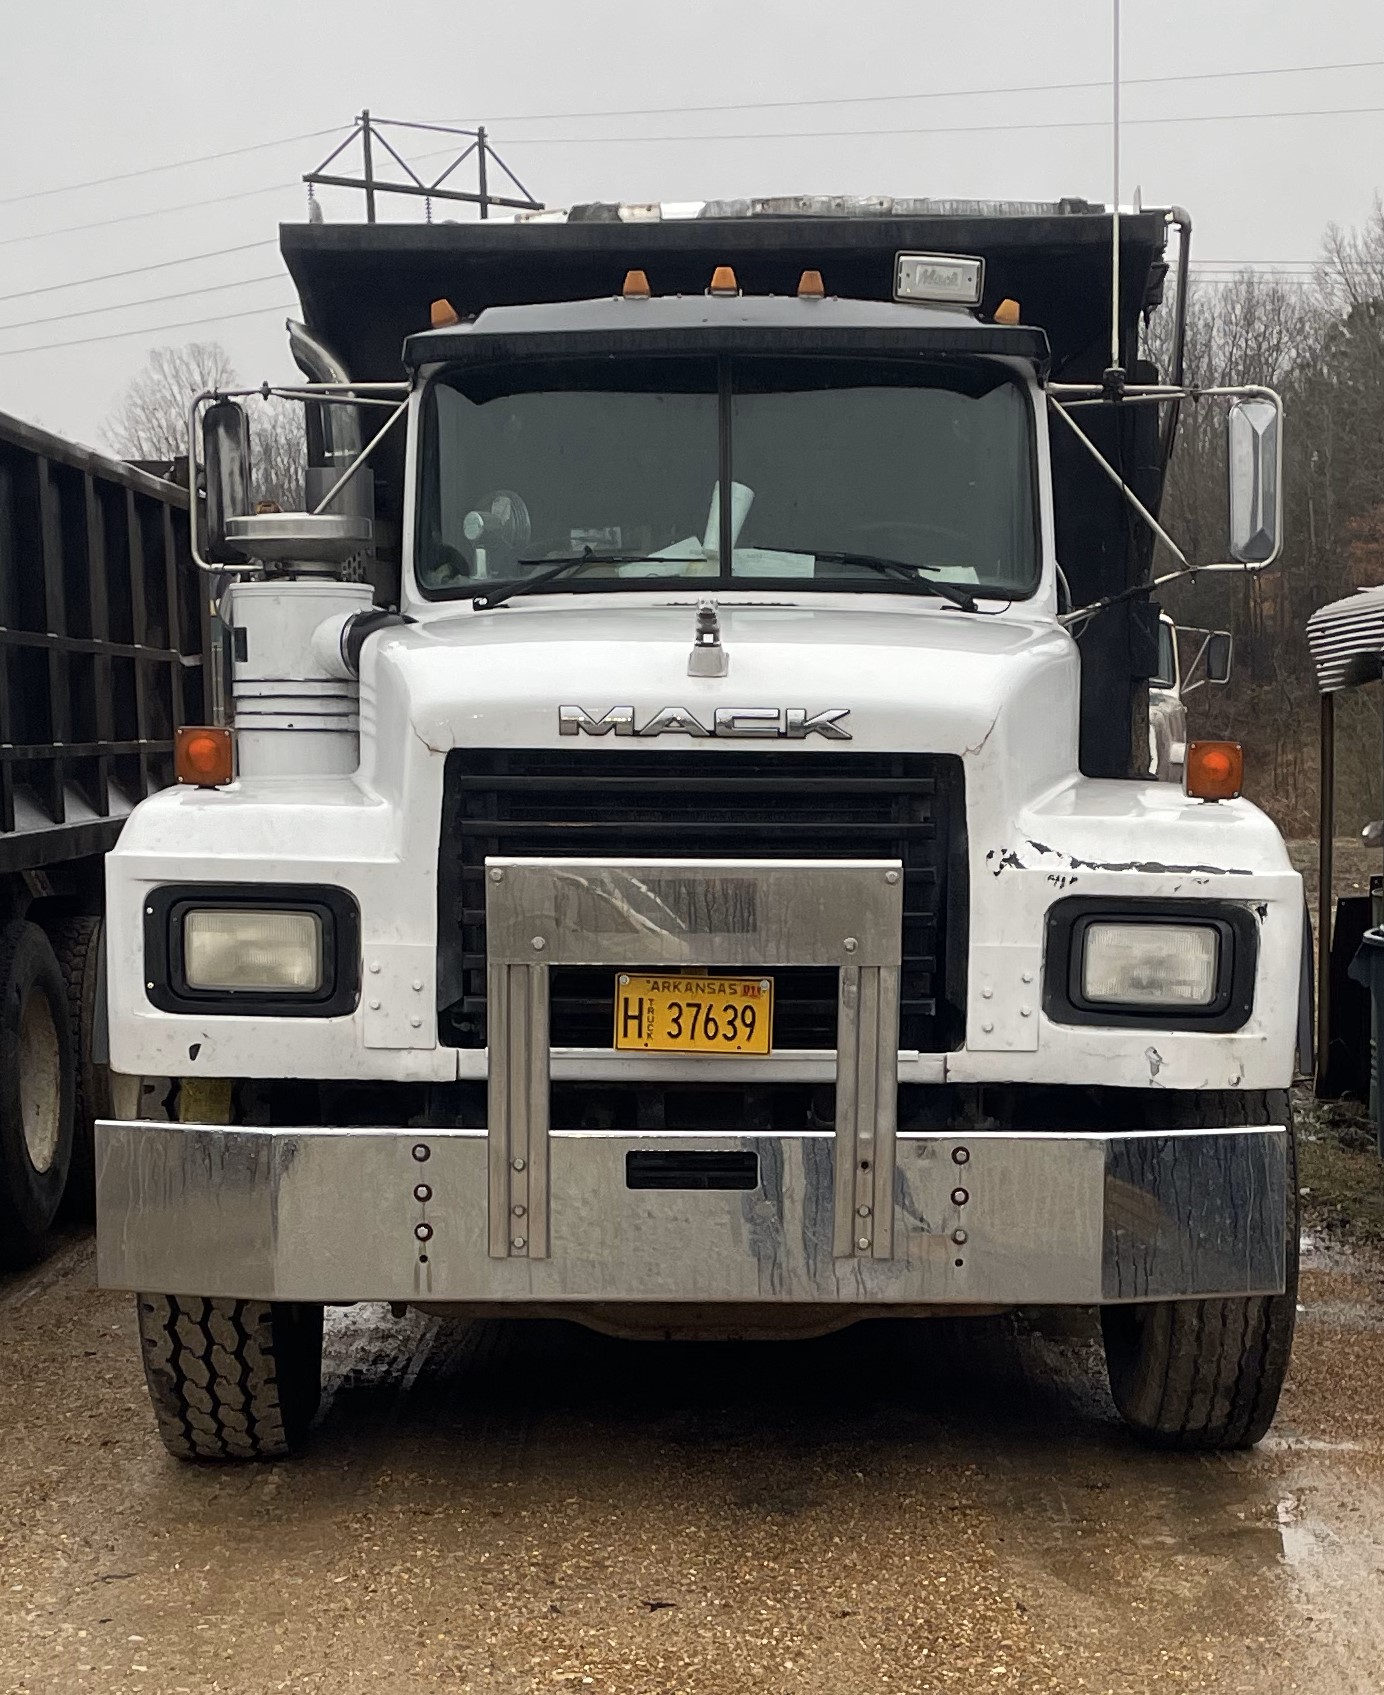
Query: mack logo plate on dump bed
{"x": 693, "y": 1014}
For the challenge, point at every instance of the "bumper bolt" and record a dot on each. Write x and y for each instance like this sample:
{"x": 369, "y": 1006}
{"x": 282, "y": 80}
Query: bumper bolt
{"x": 423, "y": 1232}
{"x": 496, "y": 875}
{"x": 960, "y": 1197}
{"x": 959, "y": 1237}
{"x": 850, "y": 944}
{"x": 539, "y": 944}
{"x": 862, "y": 1242}
{"x": 421, "y": 1151}
{"x": 421, "y": 1192}
{"x": 960, "y": 1156}
{"x": 864, "y": 1212}
{"x": 518, "y": 1164}
{"x": 891, "y": 876}
{"x": 518, "y": 1211}
{"x": 518, "y": 1242}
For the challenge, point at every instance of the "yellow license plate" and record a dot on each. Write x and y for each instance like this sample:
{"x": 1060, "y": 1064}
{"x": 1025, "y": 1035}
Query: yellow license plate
{"x": 693, "y": 1014}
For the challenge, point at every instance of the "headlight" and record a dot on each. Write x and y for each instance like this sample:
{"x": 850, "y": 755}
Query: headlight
{"x": 1150, "y": 965}
{"x": 263, "y": 951}
{"x": 289, "y": 950}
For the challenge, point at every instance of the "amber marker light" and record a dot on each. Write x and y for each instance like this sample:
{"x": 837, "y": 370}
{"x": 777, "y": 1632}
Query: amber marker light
{"x": 811, "y": 286}
{"x": 1214, "y": 770}
{"x": 636, "y": 286}
{"x": 442, "y": 314}
{"x": 723, "y": 281}
{"x": 202, "y": 756}
{"x": 1007, "y": 312}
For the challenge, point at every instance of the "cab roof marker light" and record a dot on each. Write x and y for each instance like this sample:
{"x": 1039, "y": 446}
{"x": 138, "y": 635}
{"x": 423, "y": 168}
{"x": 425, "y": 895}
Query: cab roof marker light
{"x": 1007, "y": 312}
{"x": 723, "y": 281}
{"x": 811, "y": 286}
{"x": 442, "y": 315}
{"x": 939, "y": 279}
{"x": 636, "y": 286}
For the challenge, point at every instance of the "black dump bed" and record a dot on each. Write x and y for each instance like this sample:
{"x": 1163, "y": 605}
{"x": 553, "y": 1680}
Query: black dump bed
{"x": 102, "y": 644}
{"x": 365, "y": 287}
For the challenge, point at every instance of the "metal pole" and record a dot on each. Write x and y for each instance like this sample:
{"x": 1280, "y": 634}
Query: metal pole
{"x": 1115, "y": 202}
{"x": 1326, "y": 783}
{"x": 369, "y": 171}
{"x": 480, "y": 172}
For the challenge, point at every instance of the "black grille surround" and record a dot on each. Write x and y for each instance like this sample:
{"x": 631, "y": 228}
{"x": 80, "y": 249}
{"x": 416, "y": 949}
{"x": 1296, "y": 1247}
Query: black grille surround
{"x": 717, "y": 803}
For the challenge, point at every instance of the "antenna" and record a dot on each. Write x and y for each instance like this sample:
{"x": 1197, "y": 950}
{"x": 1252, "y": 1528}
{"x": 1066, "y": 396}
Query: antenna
{"x": 1115, "y": 197}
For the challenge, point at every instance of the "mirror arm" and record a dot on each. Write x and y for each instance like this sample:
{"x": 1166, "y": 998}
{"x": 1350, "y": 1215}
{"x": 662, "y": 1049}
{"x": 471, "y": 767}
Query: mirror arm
{"x": 1120, "y": 484}
{"x": 360, "y": 458}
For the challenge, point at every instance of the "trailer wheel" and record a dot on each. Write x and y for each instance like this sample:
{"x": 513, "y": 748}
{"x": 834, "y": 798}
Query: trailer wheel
{"x": 231, "y": 1380}
{"x": 1207, "y": 1374}
{"x": 36, "y": 1091}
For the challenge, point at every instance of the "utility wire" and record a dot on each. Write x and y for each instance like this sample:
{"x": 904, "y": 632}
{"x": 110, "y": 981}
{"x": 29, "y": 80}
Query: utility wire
{"x": 148, "y": 300}
{"x": 152, "y": 329}
{"x": 936, "y": 129}
{"x": 154, "y": 212}
{"x": 136, "y": 270}
{"x": 933, "y": 94}
{"x": 172, "y": 165}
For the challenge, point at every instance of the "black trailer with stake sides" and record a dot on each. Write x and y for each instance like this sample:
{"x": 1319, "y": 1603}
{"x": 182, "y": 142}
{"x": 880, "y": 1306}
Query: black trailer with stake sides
{"x": 103, "y": 641}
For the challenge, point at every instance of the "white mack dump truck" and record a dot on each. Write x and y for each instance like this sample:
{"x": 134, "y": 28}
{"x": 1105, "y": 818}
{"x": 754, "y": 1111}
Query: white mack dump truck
{"x": 689, "y": 864}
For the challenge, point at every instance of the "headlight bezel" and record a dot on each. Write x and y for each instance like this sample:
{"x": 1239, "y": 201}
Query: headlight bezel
{"x": 1237, "y": 930}
{"x": 165, "y": 974}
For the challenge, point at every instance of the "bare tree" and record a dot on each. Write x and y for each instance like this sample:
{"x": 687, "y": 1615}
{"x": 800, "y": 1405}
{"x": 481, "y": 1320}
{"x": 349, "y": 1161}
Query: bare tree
{"x": 150, "y": 422}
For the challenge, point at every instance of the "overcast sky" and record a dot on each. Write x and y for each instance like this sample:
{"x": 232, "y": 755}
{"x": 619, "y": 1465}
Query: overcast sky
{"x": 593, "y": 99}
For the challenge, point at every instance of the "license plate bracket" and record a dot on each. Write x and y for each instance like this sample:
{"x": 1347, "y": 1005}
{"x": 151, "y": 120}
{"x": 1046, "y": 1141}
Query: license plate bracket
{"x": 693, "y": 1013}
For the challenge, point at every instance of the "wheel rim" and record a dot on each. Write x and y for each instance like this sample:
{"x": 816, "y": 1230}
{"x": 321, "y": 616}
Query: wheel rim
{"x": 40, "y": 1081}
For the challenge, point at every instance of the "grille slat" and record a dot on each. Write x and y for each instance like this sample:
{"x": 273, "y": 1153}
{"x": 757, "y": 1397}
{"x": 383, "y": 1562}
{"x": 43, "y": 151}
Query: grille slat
{"x": 721, "y": 803}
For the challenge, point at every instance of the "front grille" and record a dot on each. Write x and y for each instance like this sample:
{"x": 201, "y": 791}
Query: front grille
{"x": 550, "y": 803}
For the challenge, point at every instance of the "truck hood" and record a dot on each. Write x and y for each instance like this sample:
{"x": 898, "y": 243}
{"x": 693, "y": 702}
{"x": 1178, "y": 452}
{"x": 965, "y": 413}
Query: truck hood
{"x": 919, "y": 676}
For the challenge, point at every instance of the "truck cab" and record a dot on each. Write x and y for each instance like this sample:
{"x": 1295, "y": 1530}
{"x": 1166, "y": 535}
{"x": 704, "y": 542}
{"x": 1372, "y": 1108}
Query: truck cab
{"x": 695, "y": 880}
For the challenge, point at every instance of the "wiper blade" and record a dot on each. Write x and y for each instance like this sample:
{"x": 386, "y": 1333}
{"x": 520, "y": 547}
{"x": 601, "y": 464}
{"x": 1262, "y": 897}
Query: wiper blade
{"x": 899, "y": 569}
{"x": 572, "y": 562}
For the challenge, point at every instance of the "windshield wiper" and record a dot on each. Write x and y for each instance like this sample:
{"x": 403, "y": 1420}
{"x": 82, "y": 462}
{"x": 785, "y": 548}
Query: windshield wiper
{"x": 572, "y": 562}
{"x": 899, "y": 569}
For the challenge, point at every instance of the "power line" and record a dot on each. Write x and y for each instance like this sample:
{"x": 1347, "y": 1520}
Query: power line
{"x": 152, "y": 329}
{"x": 155, "y": 212}
{"x": 149, "y": 300}
{"x": 136, "y": 270}
{"x": 935, "y": 94}
{"x": 937, "y": 129}
{"x": 172, "y": 165}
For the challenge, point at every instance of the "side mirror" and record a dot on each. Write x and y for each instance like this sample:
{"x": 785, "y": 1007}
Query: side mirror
{"x": 1254, "y": 457}
{"x": 226, "y": 462}
{"x": 1219, "y": 653}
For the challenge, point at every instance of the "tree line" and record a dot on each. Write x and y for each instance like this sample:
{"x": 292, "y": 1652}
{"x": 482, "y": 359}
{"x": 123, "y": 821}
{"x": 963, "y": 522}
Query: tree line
{"x": 1318, "y": 340}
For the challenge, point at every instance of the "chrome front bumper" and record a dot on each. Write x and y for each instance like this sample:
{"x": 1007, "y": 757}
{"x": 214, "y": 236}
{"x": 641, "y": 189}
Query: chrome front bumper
{"x": 405, "y": 1215}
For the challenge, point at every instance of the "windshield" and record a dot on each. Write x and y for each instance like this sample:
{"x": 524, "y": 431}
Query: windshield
{"x": 929, "y": 466}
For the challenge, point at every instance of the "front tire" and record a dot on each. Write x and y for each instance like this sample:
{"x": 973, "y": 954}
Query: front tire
{"x": 37, "y": 1091}
{"x": 1207, "y": 1374}
{"x": 231, "y": 1380}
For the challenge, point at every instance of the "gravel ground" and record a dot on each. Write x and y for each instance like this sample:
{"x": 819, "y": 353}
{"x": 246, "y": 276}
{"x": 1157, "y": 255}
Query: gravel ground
{"x": 523, "y": 1507}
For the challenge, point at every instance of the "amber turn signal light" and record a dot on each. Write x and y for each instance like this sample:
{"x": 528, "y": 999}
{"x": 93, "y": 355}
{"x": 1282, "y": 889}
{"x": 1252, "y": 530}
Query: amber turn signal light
{"x": 636, "y": 285}
{"x": 811, "y": 286}
{"x": 1215, "y": 770}
{"x": 202, "y": 756}
{"x": 723, "y": 281}
{"x": 442, "y": 314}
{"x": 1007, "y": 312}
